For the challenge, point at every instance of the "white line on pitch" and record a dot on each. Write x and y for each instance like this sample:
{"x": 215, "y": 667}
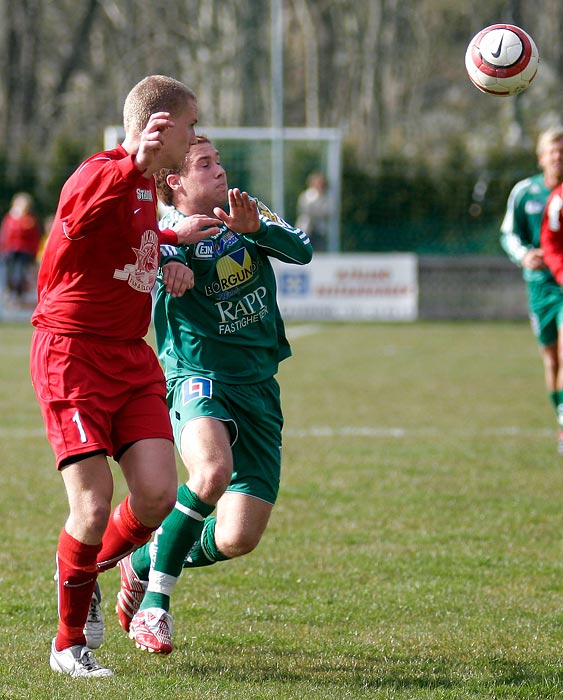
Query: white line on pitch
{"x": 306, "y": 329}
{"x": 367, "y": 431}
{"x": 345, "y": 431}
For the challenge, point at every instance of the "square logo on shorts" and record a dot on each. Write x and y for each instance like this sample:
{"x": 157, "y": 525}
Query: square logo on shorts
{"x": 196, "y": 388}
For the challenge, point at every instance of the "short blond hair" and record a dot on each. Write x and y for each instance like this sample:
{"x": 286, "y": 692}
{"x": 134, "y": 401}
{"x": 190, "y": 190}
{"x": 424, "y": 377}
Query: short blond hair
{"x": 155, "y": 93}
{"x": 547, "y": 137}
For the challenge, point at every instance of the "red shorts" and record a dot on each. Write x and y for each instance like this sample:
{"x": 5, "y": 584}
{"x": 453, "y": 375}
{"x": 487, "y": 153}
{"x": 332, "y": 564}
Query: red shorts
{"x": 97, "y": 395}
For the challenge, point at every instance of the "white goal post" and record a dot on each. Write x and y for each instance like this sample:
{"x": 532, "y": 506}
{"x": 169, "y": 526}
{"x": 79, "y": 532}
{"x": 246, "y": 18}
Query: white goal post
{"x": 330, "y": 140}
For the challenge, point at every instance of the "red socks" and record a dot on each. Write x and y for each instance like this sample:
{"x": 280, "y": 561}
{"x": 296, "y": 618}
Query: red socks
{"x": 76, "y": 578}
{"x": 123, "y": 534}
{"x": 78, "y": 565}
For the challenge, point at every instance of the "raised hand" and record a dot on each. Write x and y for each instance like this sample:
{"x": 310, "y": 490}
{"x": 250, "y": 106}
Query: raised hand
{"x": 152, "y": 139}
{"x": 243, "y": 213}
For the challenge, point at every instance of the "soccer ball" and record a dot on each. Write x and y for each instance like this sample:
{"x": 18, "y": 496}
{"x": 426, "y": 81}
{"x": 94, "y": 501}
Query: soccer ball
{"x": 502, "y": 60}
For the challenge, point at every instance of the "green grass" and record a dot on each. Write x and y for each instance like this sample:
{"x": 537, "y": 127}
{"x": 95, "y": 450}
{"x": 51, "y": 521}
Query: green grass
{"x": 415, "y": 551}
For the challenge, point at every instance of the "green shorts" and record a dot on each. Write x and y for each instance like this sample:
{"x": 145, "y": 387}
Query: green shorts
{"x": 545, "y": 306}
{"x": 254, "y": 418}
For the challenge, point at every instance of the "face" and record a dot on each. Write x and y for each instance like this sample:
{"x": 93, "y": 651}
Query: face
{"x": 181, "y": 137}
{"x": 551, "y": 160}
{"x": 204, "y": 185}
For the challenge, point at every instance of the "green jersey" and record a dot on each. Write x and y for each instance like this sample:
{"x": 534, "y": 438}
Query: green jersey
{"x": 228, "y": 327}
{"x": 520, "y": 229}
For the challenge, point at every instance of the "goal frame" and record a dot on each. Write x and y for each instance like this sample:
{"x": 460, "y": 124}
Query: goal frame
{"x": 331, "y": 138}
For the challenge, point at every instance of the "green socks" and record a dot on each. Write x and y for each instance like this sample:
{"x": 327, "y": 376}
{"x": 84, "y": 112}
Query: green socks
{"x": 172, "y": 542}
{"x": 204, "y": 551}
{"x": 556, "y": 398}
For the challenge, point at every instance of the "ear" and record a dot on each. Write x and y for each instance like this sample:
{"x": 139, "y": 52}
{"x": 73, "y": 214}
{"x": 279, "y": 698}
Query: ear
{"x": 173, "y": 181}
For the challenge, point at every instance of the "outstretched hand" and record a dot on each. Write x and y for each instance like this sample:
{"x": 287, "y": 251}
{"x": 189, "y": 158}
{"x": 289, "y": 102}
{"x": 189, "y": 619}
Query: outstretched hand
{"x": 243, "y": 213}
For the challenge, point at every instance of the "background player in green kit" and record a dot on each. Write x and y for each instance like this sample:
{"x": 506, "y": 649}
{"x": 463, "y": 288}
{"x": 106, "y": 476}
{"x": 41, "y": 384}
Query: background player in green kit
{"x": 220, "y": 349}
{"x": 520, "y": 238}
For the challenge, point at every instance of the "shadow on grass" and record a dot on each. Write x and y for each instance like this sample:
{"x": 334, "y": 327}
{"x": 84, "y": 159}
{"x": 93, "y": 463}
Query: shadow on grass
{"x": 481, "y": 676}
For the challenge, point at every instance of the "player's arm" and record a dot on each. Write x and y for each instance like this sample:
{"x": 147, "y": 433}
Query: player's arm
{"x": 514, "y": 237}
{"x": 101, "y": 181}
{"x": 189, "y": 230}
{"x": 96, "y": 190}
{"x": 552, "y": 234}
{"x": 276, "y": 237}
{"x": 175, "y": 274}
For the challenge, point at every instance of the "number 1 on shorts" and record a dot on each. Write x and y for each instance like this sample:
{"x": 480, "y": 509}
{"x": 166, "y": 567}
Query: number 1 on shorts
{"x": 82, "y": 432}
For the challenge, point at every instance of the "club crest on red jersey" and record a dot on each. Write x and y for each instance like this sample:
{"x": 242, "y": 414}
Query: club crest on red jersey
{"x": 141, "y": 275}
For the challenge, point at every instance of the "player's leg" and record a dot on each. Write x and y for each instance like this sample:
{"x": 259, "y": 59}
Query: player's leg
{"x": 205, "y": 446}
{"x": 79, "y": 417}
{"x": 241, "y": 522}
{"x": 206, "y": 452}
{"x": 149, "y": 468}
{"x": 550, "y": 358}
{"x": 76, "y": 425}
{"x": 244, "y": 510}
{"x": 551, "y": 355}
{"x": 559, "y": 376}
{"x": 545, "y": 309}
{"x": 142, "y": 444}
{"x": 234, "y": 531}
{"x": 89, "y": 487}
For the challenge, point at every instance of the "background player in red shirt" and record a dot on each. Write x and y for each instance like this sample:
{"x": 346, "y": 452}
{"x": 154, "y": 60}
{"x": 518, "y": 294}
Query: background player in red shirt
{"x": 99, "y": 384}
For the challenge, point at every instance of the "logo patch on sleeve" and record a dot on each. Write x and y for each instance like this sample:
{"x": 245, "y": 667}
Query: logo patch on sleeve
{"x": 196, "y": 388}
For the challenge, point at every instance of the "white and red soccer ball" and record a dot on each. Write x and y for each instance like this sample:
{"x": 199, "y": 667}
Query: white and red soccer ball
{"x": 502, "y": 60}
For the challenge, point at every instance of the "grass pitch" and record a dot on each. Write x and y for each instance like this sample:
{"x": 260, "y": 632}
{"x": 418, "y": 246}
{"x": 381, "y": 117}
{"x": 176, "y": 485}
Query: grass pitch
{"x": 415, "y": 552}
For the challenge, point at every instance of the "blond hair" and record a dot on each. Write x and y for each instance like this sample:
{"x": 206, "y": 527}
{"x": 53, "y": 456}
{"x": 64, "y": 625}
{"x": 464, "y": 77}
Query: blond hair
{"x": 547, "y": 137}
{"x": 155, "y": 93}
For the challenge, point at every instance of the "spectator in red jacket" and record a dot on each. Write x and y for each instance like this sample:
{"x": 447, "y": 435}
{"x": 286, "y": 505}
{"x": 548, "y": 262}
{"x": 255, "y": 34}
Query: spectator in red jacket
{"x": 20, "y": 234}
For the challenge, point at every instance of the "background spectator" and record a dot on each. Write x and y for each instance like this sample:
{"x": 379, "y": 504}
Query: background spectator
{"x": 314, "y": 209}
{"x": 20, "y": 234}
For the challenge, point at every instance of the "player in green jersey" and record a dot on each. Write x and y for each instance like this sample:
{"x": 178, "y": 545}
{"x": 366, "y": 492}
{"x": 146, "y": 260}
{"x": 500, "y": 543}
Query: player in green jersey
{"x": 520, "y": 238}
{"x": 220, "y": 348}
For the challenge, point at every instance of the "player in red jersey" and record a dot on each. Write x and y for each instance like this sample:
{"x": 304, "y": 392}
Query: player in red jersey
{"x": 552, "y": 233}
{"x": 99, "y": 385}
{"x": 551, "y": 241}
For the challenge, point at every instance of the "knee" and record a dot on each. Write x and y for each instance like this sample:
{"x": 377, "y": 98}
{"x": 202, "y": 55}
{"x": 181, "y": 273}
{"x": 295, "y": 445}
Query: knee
{"x": 238, "y": 545}
{"x": 164, "y": 502}
{"x": 154, "y": 506}
{"x": 92, "y": 519}
{"x": 211, "y": 483}
{"x": 552, "y": 355}
{"x": 552, "y": 362}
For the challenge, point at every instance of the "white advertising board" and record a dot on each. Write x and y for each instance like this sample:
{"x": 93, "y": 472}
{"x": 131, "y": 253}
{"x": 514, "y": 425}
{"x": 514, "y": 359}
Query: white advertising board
{"x": 349, "y": 286}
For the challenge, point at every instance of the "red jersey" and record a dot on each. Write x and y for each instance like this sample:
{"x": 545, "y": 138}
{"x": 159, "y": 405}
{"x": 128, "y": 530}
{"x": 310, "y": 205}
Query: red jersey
{"x": 101, "y": 258}
{"x": 551, "y": 237}
{"x": 20, "y": 234}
